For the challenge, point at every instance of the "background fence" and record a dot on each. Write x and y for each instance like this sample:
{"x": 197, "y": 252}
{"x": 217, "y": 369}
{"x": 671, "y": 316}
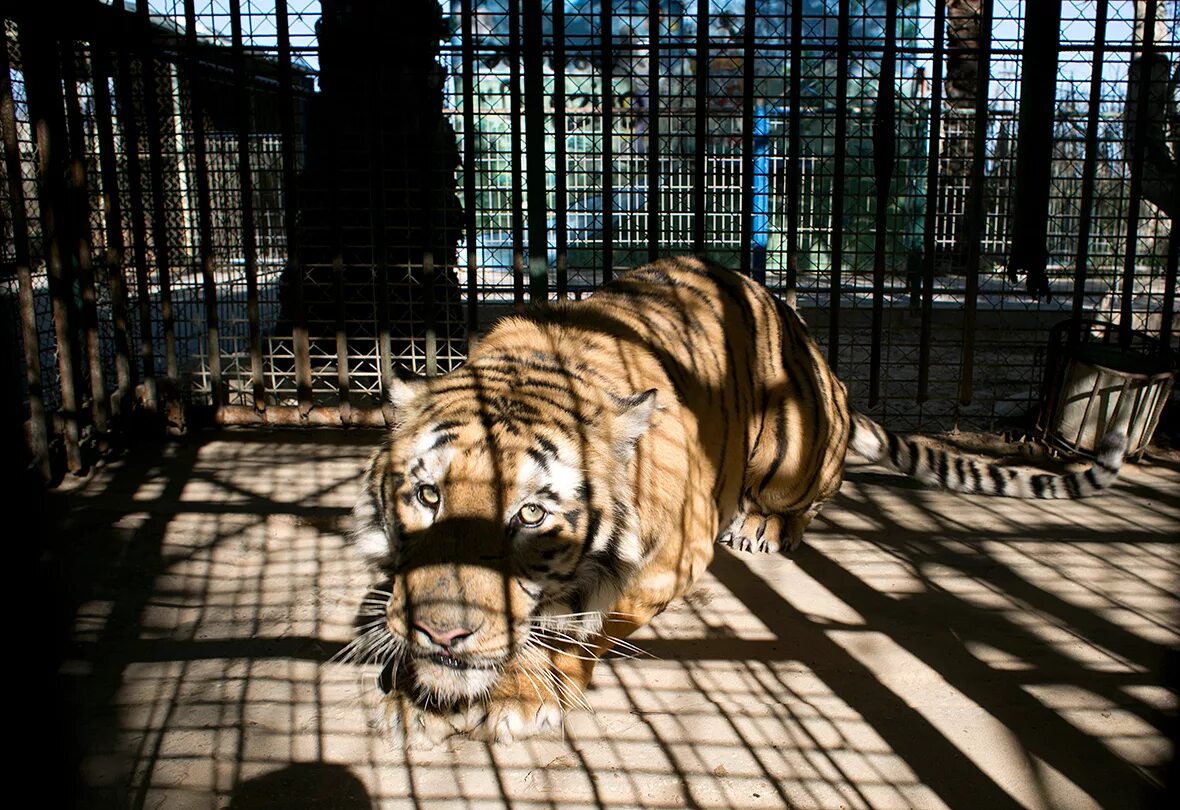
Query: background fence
{"x": 258, "y": 213}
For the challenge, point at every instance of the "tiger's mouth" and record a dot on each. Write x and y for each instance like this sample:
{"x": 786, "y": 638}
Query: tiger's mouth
{"x": 449, "y": 661}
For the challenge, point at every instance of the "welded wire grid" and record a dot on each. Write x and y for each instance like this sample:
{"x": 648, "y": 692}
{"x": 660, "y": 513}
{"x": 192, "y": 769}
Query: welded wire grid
{"x": 652, "y": 133}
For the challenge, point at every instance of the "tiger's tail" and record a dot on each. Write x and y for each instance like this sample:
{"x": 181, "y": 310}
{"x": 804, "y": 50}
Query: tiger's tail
{"x": 959, "y": 473}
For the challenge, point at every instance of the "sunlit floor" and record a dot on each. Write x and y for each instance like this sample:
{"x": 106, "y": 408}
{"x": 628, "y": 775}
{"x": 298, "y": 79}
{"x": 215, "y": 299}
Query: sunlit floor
{"x": 923, "y": 650}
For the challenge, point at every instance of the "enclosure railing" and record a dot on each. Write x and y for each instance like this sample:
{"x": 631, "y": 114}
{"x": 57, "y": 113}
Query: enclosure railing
{"x": 245, "y": 213}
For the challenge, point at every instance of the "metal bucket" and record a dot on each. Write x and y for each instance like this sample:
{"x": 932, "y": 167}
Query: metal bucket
{"x": 1095, "y": 385}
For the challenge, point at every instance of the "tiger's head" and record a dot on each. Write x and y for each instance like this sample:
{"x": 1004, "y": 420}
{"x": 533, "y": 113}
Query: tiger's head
{"x": 502, "y": 499}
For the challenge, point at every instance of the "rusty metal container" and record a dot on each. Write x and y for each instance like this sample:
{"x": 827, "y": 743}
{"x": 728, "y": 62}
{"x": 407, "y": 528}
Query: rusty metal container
{"x": 1095, "y": 384}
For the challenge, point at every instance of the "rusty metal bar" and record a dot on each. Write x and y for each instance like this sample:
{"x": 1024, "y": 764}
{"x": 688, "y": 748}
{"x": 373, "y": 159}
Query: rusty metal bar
{"x": 838, "y": 170}
{"x": 1138, "y": 156}
{"x": 700, "y": 131}
{"x": 930, "y": 220}
{"x": 161, "y": 249}
{"x": 884, "y": 146}
{"x": 246, "y": 180}
{"x": 115, "y": 253}
{"x": 1089, "y": 165}
{"x": 302, "y": 349}
{"x": 653, "y": 130}
{"x": 534, "y": 113}
{"x": 560, "y": 194}
{"x": 976, "y": 210}
{"x": 1168, "y": 310}
{"x": 37, "y": 432}
{"x": 608, "y": 125}
{"x": 204, "y": 207}
{"x": 470, "y": 144}
{"x": 292, "y": 416}
{"x": 794, "y": 173}
{"x": 747, "y": 212}
{"x": 130, "y": 149}
{"x": 79, "y": 195}
{"x": 40, "y": 51}
{"x": 516, "y": 147}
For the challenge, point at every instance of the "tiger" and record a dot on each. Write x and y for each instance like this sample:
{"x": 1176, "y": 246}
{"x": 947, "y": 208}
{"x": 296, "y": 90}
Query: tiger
{"x": 534, "y": 507}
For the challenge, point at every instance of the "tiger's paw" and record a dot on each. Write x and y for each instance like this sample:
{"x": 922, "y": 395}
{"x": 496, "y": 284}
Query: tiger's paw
{"x": 754, "y": 532}
{"x": 408, "y": 726}
{"x": 507, "y": 720}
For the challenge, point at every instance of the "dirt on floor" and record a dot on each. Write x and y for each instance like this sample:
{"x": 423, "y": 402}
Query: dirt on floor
{"x": 922, "y": 650}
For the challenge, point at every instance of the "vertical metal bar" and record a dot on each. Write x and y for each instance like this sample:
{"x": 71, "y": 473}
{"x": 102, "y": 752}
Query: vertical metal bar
{"x": 160, "y": 237}
{"x": 1169, "y": 306}
{"x": 246, "y": 181}
{"x": 653, "y": 130}
{"x": 884, "y": 121}
{"x": 560, "y": 195}
{"x": 79, "y": 189}
{"x": 930, "y": 220}
{"x": 976, "y": 206}
{"x": 794, "y": 173}
{"x": 115, "y": 254}
{"x": 747, "y": 212}
{"x": 378, "y": 181}
{"x": 41, "y": 53}
{"x": 700, "y": 130}
{"x": 343, "y": 381}
{"x": 129, "y": 122}
{"x": 1138, "y": 155}
{"x": 1089, "y": 165}
{"x": 608, "y": 126}
{"x": 839, "y": 152}
{"x": 516, "y": 146}
{"x": 470, "y": 144}
{"x": 429, "y": 177}
{"x": 37, "y": 426}
{"x": 534, "y": 111}
{"x": 291, "y": 209}
{"x": 204, "y": 206}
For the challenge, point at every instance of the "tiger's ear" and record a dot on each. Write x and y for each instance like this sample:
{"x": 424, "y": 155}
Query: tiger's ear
{"x": 402, "y": 393}
{"x": 633, "y": 418}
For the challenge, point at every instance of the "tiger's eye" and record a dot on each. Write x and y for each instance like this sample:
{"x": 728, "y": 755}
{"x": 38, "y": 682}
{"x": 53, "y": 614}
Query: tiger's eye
{"x": 530, "y": 514}
{"x": 428, "y": 495}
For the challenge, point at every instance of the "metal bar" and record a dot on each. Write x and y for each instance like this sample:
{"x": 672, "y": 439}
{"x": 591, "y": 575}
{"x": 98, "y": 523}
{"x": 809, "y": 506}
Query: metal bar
{"x": 976, "y": 212}
{"x": 115, "y": 253}
{"x": 747, "y": 212}
{"x": 204, "y": 206}
{"x": 839, "y": 152}
{"x": 292, "y": 416}
{"x": 884, "y": 137}
{"x": 794, "y": 174}
{"x": 343, "y": 383}
{"x": 608, "y": 125}
{"x": 379, "y": 238}
{"x": 470, "y": 144}
{"x": 1138, "y": 155}
{"x": 930, "y": 220}
{"x": 700, "y": 131}
{"x": 534, "y": 111}
{"x": 79, "y": 194}
{"x": 517, "y": 146}
{"x": 653, "y": 130}
{"x": 560, "y": 194}
{"x": 246, "y": 180}
{"x": 427, "y": 172}
{"x": 161, "y": 249}
{"x": 40, "y": 51}
{"x": 128, "y": 120}
{"x": 1168, "y": 310}
{"x": 1089, "y": 165}
{"x": 302, "y": 348}
{"x": 37, "y": 432}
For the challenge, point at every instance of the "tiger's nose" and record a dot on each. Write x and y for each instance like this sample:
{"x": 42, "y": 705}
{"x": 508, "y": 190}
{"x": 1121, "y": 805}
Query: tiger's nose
{"x": 428, "y": 635}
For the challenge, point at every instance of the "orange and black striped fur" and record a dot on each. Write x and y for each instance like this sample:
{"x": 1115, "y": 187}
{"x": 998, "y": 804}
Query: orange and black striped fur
{"x": 558, "y": 491}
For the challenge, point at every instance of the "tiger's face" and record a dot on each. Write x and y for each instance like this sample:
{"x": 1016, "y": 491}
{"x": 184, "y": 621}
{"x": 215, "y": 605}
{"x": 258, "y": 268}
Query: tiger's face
{"x": 494, "y": 506}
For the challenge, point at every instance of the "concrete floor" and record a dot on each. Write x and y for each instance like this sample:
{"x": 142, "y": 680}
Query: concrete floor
{"x": 923, "y": 650}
